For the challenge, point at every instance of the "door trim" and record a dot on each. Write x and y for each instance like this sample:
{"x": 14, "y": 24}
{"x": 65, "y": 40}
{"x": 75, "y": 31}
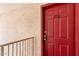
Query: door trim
{"x": 48, "y": 5}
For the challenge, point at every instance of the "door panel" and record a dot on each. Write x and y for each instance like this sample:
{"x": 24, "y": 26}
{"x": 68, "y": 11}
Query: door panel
{"x": 64, "y": 50}
{"x": 59, "y": 28}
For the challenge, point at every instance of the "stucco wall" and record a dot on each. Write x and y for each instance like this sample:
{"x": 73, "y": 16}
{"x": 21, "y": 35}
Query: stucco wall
{"x": 19, "y": 21}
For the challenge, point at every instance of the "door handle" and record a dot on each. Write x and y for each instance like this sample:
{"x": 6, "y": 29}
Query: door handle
{"x": 45, "y": 37}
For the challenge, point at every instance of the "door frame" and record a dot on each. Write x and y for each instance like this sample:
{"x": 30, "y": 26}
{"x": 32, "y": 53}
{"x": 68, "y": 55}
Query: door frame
{"x": 48, "y": 5}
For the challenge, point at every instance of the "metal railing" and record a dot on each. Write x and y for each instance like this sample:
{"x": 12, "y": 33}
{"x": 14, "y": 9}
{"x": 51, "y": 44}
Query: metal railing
{"x": 24, "y": 47}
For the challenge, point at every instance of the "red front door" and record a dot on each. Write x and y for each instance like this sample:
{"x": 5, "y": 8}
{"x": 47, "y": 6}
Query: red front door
{"x": 59, "y": 30}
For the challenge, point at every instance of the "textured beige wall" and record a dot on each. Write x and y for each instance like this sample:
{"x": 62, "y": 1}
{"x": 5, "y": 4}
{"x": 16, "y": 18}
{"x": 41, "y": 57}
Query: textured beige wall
{"x": 19, "y": 21}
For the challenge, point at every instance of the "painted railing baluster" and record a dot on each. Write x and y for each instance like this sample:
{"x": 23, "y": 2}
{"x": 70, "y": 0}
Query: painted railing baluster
{"x": 8, "y": 50}
{"x": 12, "y": 49}
{"x": 25, "y": 47}
{"x": 16, "y": 49}
{"x": 33, "y": 47}
{"x": 20, "y": 47}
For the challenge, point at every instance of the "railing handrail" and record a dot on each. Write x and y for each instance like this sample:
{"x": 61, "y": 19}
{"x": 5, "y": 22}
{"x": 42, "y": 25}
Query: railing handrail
{"x": 15, "y": 41}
